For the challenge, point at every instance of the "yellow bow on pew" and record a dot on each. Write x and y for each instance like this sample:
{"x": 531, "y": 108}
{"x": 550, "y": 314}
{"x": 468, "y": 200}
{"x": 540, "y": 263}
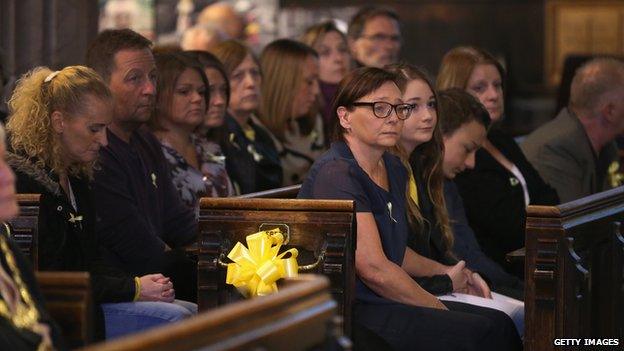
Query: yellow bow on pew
{"x": 258, "y": 266}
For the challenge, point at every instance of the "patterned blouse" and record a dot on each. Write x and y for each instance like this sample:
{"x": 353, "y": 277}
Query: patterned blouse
{"x": 211, "y": 180}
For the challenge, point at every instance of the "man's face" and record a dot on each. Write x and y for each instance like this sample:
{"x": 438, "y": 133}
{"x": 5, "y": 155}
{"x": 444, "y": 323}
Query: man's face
{"x": 133, "y": 85}
{"x": 379, "y": 44}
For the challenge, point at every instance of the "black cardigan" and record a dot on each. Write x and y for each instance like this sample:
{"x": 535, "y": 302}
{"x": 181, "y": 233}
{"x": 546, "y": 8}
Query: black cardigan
{"x": 495, "y": 203}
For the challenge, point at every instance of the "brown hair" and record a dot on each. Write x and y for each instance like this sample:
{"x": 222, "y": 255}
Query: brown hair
{"x": 314, "y": 34}
{"x": 353, "y": 86}
{"x": 232, "y": 53}
{"x": 169, "y": 67}
{"x": 282, "y": 63}
{"x": 458, "y": 107}
{"x": 358, "y": 21}
{"x": 457, "y": 66}
{"x": 40, "y": 92}
{"x": 208, "y": 60}
{"x": 429, "y": 155}
{"x": 102, "y": 50}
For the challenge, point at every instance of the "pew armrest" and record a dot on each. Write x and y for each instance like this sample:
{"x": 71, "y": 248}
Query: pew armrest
{"x": 516, "y": 255}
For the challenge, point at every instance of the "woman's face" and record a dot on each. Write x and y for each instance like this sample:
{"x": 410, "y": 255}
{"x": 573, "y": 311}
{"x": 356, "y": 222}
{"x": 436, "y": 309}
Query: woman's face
{"x": 419, "y": 127}
{"x": 485, "y": 84}
{"x": 188, "y": 103}
{"x": 245, "y": 87}
{"x": 82, "y": 135}
{"x": 8, "y": 201}
{"x": 305, "y": 96}
{"x": 460, "y": 148}
{"x": 363, "y": 126}
{"x": 334, "y": 57}
{"x": 218, "y": 99}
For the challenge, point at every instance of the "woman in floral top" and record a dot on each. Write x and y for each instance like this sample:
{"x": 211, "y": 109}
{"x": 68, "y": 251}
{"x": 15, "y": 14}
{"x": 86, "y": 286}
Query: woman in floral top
{"x": 197, "y": 166}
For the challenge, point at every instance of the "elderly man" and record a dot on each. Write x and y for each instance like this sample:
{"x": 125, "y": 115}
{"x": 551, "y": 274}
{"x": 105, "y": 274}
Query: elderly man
{"x": 374, "y": 37}
{"x": 140, "y": 218}
{"x": 576, "y": 152}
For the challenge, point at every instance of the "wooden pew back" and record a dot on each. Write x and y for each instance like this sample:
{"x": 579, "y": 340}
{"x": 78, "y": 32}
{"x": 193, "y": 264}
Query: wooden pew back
{"x": 68, "y": 300}
{"x": 287, "y": 192}
{"x": 24, "y": 228}
{"x": 574, "y": 271}
{"x": 295, "y": 318}
{"x": 322, "y": 230}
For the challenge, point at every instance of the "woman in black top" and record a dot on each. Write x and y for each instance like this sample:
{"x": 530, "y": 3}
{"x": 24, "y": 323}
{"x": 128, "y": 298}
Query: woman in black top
{"x": 252, "y": 160}
{"x": 57, "y": 126}
{"x": 503, "y": 183}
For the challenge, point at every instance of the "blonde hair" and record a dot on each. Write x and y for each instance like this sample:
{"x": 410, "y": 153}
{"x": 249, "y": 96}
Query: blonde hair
{"x": 457, "y": 66}
{"x": 39, "y": 93}
{"x": 282, "y": 64}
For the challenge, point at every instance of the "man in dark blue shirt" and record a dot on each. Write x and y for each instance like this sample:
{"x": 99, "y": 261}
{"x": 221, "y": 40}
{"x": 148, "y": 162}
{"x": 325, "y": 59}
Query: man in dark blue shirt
{"x": 141, "y": 220}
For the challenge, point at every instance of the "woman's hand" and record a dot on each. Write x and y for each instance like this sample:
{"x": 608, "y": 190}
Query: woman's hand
{"x": 476, "y": 285}
{"x": 458, "y": 277}
{"x": 156, "y": 287}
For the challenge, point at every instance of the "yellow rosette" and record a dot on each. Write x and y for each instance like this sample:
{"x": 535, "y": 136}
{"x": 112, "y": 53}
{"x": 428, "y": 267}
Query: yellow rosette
{"x": 258, "y": 266}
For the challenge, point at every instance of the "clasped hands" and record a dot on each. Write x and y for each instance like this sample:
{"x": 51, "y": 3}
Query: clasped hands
{"x": 156, "y": 287}
{"x": 467, "y": 282}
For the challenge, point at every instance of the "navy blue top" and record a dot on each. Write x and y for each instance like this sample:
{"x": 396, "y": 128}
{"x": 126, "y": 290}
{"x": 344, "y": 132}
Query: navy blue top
{"x": 465, "y": 245}
{"x": 138, "y": 208}
{"x": 337, "y": 175}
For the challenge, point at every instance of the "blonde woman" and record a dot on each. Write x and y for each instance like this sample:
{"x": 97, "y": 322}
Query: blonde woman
{"x": 57, "y": 126}
{"x": 289, "y": 94}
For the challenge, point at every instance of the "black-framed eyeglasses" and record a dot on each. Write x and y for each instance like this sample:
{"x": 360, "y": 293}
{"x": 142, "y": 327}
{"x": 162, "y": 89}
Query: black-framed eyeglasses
{"x": 382, "y": 109}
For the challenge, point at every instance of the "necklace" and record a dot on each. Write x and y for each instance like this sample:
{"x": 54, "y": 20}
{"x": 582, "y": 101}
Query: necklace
{"x": 24, "y": 313}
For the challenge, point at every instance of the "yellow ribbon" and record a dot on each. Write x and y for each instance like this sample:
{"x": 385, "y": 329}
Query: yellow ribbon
{"x": 615, "y": 178}
{"x": 258, "y": 266}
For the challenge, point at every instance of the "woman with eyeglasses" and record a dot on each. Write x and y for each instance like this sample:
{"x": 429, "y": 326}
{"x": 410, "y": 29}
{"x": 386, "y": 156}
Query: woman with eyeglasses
{"x": 358, "y": 166}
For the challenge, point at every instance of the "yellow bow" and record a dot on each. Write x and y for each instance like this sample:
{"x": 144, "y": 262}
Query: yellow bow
{"x": 258, "y": 266}
{"x": 615, "y": 177}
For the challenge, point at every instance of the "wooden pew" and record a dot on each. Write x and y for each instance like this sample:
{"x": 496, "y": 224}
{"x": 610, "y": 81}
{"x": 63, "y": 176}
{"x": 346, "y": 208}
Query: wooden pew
{"x": 68, "y": 300}
{"x": 298, "y": 317}
{"x": 24, "y": 228}
{"x": 322, "y": 230}
{"x": 287, "y": 192}
{"x": 574, "y": 272}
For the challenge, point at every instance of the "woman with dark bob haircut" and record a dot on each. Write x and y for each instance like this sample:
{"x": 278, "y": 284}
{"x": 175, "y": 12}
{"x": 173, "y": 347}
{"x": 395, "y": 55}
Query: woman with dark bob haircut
{"x": 370, "y": 113}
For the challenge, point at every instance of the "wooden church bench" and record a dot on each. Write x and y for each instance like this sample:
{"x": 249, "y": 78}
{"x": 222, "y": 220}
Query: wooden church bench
{"x": 323, "y": 231}
{"x": 574, "y": 271}
{"x": 298, "y": 317}
{"x": 68, "y": 300}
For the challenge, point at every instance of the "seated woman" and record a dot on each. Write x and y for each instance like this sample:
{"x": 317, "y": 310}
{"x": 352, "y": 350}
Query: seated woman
{"x": 212, "y": 133}
{"x": 24, "y": 323}
{"x": 57, "y": 125}
{"x": 289, "y": 96}
{"x": 181, "y": 105}
{"x": 389, "y": 302}
{"x": 464, "y": 123}
{"x": 503, "y": 182}
{"x": 421, "y": 151}
{"x": 334, "y": 63}
{"x": 252, "y": 160}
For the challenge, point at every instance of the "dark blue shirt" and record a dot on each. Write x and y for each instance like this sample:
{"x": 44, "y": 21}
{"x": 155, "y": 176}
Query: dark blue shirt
{"x": 465, "y": 245}
{"x": 138, "y": 208}
{"x": 337, "y": 175}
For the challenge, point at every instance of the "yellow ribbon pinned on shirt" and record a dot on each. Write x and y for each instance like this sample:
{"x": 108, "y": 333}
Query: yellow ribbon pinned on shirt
{"x": 615, "y": 177}
{"x": 258, "y": 266}
{"x": 412, "y": 188}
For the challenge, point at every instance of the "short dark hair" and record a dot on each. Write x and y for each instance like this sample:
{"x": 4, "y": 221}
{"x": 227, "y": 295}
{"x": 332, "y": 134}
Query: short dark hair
{"x": 457, "y": 107}
{"x": 102, "y": 50}
{"x": 353, "y": 86}
{"x": 358, "y": 21}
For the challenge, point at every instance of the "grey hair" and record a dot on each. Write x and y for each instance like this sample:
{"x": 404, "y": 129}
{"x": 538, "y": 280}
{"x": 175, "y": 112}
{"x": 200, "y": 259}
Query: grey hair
{"x": 593, "y": 80}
